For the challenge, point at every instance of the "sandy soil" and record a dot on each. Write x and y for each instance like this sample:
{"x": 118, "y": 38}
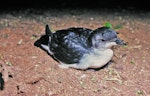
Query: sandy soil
{"x": 29, "y": 71}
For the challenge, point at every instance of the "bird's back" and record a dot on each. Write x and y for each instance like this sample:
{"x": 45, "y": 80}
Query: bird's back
{"x": 70, "y": 45}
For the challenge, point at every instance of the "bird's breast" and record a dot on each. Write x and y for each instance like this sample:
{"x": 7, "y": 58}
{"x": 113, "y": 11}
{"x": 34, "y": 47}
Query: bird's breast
{"x": 97, "y": 58}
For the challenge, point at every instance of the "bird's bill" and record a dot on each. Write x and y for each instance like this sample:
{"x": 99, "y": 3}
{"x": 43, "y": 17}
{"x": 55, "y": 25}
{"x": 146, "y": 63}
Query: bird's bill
{"x": 119, "y": 41}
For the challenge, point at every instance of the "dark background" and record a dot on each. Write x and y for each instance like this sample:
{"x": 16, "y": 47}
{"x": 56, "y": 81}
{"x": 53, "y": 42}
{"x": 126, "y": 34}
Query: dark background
{"x": 45, "y": 4}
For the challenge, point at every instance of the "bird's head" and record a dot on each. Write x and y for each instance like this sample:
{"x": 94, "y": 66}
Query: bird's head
{"x": 104, "y": 37}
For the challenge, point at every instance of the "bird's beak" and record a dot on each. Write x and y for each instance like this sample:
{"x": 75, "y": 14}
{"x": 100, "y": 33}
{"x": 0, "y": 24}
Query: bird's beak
{"x": 119, "y": 41}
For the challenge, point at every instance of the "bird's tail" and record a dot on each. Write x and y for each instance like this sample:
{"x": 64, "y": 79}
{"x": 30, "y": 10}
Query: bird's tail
{"x": 44, "y": 40}
{"x": 48, "y": 32}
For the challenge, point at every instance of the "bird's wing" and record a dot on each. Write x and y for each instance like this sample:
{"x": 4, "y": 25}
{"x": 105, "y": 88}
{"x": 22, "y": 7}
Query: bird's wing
{"x": 70, "y": 45}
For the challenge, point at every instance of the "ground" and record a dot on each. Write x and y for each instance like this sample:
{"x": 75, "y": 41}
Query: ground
{"x": 29, "y": 71}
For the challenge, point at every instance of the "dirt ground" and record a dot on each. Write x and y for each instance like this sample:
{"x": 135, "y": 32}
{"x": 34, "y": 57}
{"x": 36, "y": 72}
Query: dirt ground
{"x": 29, "y": 71}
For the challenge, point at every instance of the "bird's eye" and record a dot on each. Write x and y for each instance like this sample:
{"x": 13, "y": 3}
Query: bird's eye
{"x": 103, "y": 40}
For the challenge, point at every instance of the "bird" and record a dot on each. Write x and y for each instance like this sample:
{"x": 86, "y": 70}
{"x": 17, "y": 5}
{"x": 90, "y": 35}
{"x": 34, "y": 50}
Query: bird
{"x": 80, "y": 48}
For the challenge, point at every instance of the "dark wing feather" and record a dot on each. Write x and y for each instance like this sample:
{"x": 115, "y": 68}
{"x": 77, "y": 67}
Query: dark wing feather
{"x": 70, "y": 45}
